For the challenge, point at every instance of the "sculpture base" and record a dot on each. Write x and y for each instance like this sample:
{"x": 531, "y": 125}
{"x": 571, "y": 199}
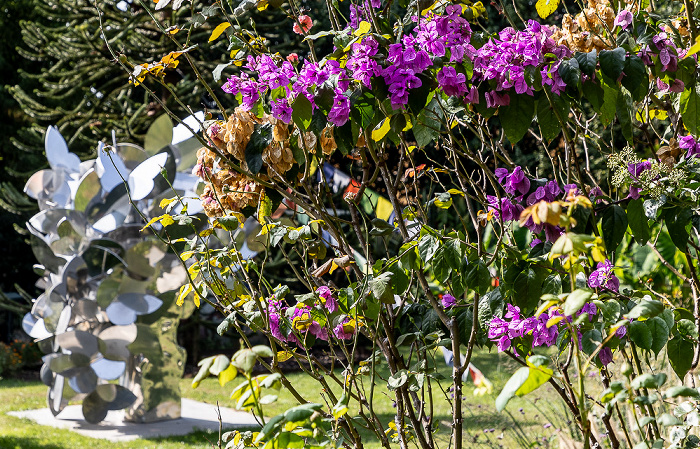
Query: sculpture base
{"x": 194, "y": 416}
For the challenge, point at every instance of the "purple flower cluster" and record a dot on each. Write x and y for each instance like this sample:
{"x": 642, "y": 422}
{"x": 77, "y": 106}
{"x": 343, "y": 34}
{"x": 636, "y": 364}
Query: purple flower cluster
{"x": 506, "y": 60}
{"x": 504, "y": 330}
{"x": 513, "y": 325}
{"x": 448, "y": 300}
{"x": 517, "y": 185}
{"x": 603, "y": 276}
{"x": 287, "y": 323}
{"x": 691, "y": 146}
{"x": 636, "y": 169}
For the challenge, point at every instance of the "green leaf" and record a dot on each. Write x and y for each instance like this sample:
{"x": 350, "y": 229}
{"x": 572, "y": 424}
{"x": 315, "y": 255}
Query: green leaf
{"x": 221, "y": 362}
{"x": 613, "y": 224}
{"x": 427, "y": 246}
{"x": 428, "y": 125}
{"x": 397, "y": 380}
{"x": 262, "y": 351}
{"x": 382, "y": 288}
{"x": 490, "y": 306}
{"x": 477, "y": 277}
{"x": 547, "y": 117}
{"x": 159, "y": 135}
{"x": 524, "y": 381}
{"x": 608, "y": 108}
{"x": 229, "y": 223}
{"x": 517, "y": 116}
{"x": 659, "y": 333}
{"x": 647, "y": 308}
{"x": 244, "y": 360}
{"x": 302, "y": 112}
{"x": 680, "y": 353}
{"x": 690, "y": 109}
{"x": 587, "y": 62}
{"x": 527, "y": 288}
{"x": 681, "y": 390}
{"x": 576, "y": 300}
{"x": 636, "y": 79}
{"x": 570, "y": 72}
{"x": 638, "y": 223}
{"x": 203, "y": 372}
{"x": 625, "y": 110}
{"x": 454, "y": 253}
{"x": 687, "y": 329}
{"x": 511, "y": 387}
{"x": 647, "y": 380}
{"x": 677, "y": 219}
{"x": 271, "y": 427}
{"x": 594, "y": 94}
{"x": 343, "y": 138}
{"x": 591, "y": 340}
{"x": 259, "y": 140}
{"x": 552, "y": 284}
{"x": 612, "y": 62}
{"x": 640, "y": 334}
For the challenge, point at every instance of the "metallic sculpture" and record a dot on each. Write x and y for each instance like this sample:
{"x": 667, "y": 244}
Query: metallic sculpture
{"x": 107, "y": 318}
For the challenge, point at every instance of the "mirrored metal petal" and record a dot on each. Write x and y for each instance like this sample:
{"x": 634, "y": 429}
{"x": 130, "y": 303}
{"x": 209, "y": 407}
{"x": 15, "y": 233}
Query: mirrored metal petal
{"x": 88, "y": 189}
{"x": 94, "y": 408}
{"x": 108, "y": 369}
{"x": 67, "y": 240}
{"x": 142, "y": 258}
{"x": 39, "y": 330}
{"x": 121, "y": 314}
{"x": 116, "y": 339}
{"x": 46, "y": 375}
{"x": 44, "y": 254}
{"x": 78, "y": 342}
{"x": 101, "y": 255}
{"x": 172, "y": 277}
{"x": 83, "y": 381}
{"x": 111, "y": 169}
{"x": 142, "y": 178}
{"x": 74, "y": 275}
{"x": 57, "y": 152}
{"x": 116, "y": 396}
{"x": 55, "y": 397}
{"x": 84, "y": 310}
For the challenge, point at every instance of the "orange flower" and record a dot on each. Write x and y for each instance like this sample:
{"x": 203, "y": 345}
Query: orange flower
{"x": 306, "y": 24}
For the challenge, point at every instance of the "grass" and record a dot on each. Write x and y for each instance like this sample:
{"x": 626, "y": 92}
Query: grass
{"x": 522, "y": 424}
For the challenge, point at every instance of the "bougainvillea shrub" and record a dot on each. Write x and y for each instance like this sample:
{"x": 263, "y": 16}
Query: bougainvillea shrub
{"x": 450, "y": 177}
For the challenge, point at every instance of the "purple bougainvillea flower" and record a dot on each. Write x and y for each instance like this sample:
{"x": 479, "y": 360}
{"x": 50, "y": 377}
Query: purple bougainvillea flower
{"x": 328, "y": 299}
{"x": 603, "y": 276}
{"x": 448, "y": 300}
{"x": 624, "y": 19}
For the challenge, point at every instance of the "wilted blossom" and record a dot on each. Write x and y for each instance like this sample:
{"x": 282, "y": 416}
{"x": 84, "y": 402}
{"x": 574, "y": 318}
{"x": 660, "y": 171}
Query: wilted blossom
{"x": 689, "y": 144}
{"x": 327, "y": 297}
{"x": 513, "y": 182}
{"x": 303, "y": 322}
{"x": 306, "y": 24}
{"x": 274, "y": 314}
{"x": 448, "y": 300}
{"x": 623, "y": 19}
{"x": 603, "y": 276}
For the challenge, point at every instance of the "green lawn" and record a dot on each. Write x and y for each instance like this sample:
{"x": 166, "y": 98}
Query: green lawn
{"x": 522, "y": 424}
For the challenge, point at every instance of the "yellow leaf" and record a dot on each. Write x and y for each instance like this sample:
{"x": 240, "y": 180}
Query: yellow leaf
{"x": 554, "y": 320}
{"x": 166, "y": 220}
{"x": 455, "y": 192}
{"x": 164, "y": 202}
{"x": 409, "y": 125}
{"x": 227, "y": 375}
{"x": 443, "y": 204}
{"x": 283, "y": 356}
{"x": 544, "y": 307}
{"x": 207, "y": 232}
{"x": 694, "y": 49}
{"x": 546, "y": 7}
{"x": 363, "y": 28}
{"x": 151, "y": 221}
{"x": 218, "y": 30}
{"x": 263, "y": 4}
{"x": 186, "y": 255}
{"x": 381, "y": 130}
{"x": 184, "y": 291}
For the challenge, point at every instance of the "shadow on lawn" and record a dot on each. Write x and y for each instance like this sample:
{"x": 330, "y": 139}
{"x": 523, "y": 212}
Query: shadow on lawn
{"x": 25, "y": 443}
